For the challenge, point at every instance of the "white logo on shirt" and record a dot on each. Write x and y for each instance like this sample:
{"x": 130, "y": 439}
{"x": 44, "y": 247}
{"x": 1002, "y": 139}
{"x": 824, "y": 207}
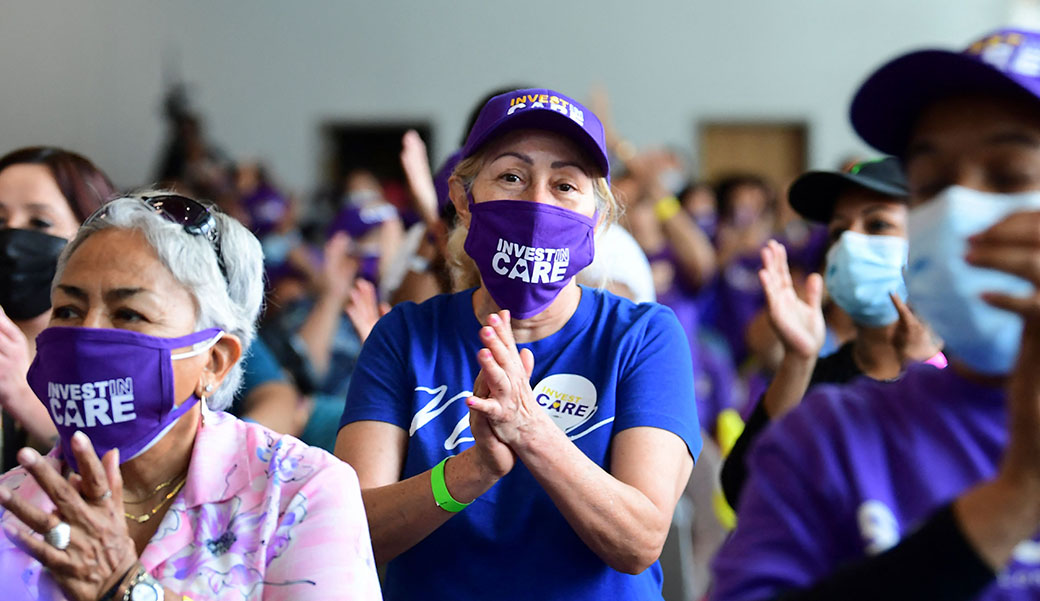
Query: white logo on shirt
{"x": 877, "y": 526}
{"x": 1027, "y": 552}
{"x": 569, "y": 399}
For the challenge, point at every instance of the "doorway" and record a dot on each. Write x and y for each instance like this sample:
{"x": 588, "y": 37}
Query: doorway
{"x": 773, "y": 150}
{"x": 374, "y": 147}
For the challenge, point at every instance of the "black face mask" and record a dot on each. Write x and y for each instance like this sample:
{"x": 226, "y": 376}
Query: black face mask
{"x": 28, "y": 260}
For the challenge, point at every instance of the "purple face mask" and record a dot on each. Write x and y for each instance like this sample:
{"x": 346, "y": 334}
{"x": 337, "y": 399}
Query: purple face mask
{"x": 527, "y": 251}
{"x": 115, "y": 386}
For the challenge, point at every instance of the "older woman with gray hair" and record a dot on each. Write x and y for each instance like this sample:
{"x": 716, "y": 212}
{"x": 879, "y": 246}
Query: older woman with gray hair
{"x": 153, "y": 492}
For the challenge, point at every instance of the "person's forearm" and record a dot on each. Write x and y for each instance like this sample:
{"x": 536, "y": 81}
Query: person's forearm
{"x": 416, "y": 287}
{"x": 789, "y": 385}
{"x": 402, "y": 514}
{"x": 420, "y": 282}
{"x": 300, "y": 258}
{"x": 762, "y": 341}
{"x": 390, "y": 235}
{"x": 319, "y": 329}
{"x": 617, "y": 521}
{"x": 998, "y": 515}
{"x": 31, "y": 414}
{"x": 694, "y": 253}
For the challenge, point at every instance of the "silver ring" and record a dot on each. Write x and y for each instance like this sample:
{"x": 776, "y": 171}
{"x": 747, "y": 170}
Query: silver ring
{"x": 58, "y": 536}
{"x": 104, "y": 497}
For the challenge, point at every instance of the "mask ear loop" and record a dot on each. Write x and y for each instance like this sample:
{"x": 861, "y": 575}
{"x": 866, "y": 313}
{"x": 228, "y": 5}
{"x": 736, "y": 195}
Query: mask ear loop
{"x": 198, "y": 348}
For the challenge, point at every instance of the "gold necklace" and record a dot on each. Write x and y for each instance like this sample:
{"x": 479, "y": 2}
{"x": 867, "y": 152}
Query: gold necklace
{"x": 144, "y": 517}
{"x": 154, "y": 492}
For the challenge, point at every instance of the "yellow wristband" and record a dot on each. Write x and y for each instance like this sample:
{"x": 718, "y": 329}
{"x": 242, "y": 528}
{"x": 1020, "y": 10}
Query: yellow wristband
{"x": 666, "y": 208}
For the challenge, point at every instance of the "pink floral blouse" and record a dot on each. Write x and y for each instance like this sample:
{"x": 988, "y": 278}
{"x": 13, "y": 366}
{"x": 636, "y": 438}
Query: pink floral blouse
{"x": 261, "y": 516}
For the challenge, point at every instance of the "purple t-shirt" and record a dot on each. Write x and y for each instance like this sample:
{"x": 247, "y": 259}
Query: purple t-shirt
{"x": 738, "y": 298}
{"x": 714, "y": 381}
{"x": 856, "y": 468}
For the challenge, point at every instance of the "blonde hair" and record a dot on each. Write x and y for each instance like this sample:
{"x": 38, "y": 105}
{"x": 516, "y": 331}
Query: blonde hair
{"x": 464, "y": 272}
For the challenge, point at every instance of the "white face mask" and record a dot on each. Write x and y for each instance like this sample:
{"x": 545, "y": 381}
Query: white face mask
{"x": 945, "y": 290}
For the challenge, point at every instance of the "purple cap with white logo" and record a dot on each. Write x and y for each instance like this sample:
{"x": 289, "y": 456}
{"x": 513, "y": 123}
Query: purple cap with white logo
{"x": 888, "y": 103}
{"x": 539, "y": 108}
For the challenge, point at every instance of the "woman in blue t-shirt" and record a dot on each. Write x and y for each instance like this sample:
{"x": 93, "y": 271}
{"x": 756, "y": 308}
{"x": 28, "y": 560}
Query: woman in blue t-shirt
{"x": 527, "y": 437}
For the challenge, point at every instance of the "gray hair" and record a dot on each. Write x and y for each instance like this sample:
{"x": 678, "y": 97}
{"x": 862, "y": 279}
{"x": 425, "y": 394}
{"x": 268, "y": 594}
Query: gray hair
{"x": 231, "y": 306}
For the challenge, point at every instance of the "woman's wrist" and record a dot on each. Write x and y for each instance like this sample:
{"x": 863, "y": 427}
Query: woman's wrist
{"x": 666, "y": 207}
{"x": 536, "y": 434}
{"x": 467, "y": 477}
{"x": 797, "y": 364}
{"x": 789, "y": 385}
{"x": 115, "y": 588}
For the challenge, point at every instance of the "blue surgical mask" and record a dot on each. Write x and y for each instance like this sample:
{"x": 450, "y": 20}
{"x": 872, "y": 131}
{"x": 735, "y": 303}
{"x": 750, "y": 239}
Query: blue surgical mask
{"x": 277, "y": 247}
{"x": 946, "y": 291}
{"x": 861, "y": 271}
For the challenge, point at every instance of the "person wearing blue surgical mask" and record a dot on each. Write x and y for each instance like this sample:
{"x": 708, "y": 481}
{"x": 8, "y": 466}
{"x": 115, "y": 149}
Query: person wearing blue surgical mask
{"x": 865, "y": 211}
{"x": 927, "y": 487}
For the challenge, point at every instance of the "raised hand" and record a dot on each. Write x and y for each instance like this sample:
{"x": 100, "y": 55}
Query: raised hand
{"x": 1000, "y": 513}
{"x": 14, "y": 363}
{"x": 508, "y": 403}
{"x": 496, "y": 457}
{"x": 16, "y": 398}
{"x": 416, "y": 164}
{"x": 99, "y": 549}
{"x": 798, "y": 322}
{"x": 339, "y": 267}
{"x": 364, "y": 308}
{"x": 1013, "y": 246}
{"x": 914, "y": 340}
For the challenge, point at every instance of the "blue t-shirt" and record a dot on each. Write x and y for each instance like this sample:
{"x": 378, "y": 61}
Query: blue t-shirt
{"x": 614, "y": 365}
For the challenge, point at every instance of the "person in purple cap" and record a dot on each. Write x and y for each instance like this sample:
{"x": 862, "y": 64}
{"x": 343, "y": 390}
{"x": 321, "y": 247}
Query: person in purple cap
{"x": 527, "y": 438}
{"x": 926, "y": 487}
{"x": 865, "y": 211}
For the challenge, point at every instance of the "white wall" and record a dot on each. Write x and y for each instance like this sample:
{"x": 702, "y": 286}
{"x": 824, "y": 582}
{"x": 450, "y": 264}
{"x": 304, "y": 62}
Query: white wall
{"x": 266, "y": 73}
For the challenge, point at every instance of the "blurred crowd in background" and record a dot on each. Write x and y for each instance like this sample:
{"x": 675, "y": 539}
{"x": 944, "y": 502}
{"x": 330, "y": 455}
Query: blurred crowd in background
{"x": 340, "y": 256}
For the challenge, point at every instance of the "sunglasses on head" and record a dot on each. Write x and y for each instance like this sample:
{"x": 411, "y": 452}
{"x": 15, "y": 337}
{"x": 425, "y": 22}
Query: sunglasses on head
{"x": 196, "y": 218}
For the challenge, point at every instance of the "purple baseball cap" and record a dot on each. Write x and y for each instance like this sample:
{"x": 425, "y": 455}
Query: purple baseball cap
{"x": 888, "y": 103}
{"x": 539, "y": 108}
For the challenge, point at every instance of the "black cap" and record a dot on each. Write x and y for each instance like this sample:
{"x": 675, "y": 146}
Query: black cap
{"x": 814, "y": 194}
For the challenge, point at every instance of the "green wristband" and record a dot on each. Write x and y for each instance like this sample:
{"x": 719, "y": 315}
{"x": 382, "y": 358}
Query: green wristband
{"x": 440, "y": 490}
